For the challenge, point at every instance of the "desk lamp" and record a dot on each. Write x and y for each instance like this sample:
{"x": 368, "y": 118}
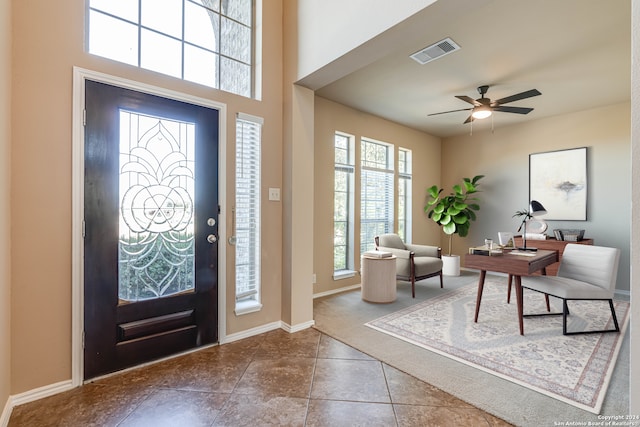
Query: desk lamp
{"x": 535, "y": 209}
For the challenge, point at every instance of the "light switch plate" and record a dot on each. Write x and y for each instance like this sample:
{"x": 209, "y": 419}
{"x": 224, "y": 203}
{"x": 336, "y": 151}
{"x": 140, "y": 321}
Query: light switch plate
{"x": 274, "y": 194}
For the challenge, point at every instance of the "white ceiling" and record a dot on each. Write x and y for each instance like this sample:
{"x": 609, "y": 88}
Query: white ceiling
{"x": 576, "y": 52}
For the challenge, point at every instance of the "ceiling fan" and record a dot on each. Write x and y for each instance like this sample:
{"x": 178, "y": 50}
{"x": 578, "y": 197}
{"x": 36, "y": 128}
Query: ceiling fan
{"x": 484, "y": 107}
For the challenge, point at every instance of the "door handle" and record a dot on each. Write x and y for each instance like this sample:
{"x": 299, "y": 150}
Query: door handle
{"x": 211, "y": 238}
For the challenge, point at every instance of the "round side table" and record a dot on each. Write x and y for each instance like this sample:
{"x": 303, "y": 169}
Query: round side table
{"x": 378, "y": 279}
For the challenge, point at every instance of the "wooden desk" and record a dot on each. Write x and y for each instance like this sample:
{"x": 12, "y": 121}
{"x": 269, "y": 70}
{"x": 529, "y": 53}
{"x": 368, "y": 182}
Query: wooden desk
{"x": 514, "y": 265}
{"x": 551, "y": 245}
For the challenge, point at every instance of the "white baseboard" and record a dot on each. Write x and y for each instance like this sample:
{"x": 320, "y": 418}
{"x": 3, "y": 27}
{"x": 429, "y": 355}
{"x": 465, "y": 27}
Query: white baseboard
{"x": 299, "y": 327}
{"x": 267, "y": 328}
{"x": 251, "y": 332}
{"x": 336, "y": 291}
{"x": 31, "y": 396}
{"x": 6, "y": 413}
{"x": 40, "y": 392}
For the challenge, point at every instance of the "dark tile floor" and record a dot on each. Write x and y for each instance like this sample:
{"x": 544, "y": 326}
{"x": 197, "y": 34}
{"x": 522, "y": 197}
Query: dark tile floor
{"x": 277, "y": 378}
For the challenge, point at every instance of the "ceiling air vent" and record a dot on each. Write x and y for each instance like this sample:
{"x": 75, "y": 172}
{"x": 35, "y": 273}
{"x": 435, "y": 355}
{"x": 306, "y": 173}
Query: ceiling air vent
{"x": 429, "y": 53}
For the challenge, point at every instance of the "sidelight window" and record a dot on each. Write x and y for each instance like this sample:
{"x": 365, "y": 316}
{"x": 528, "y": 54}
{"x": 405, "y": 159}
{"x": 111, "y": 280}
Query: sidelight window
{"x": 247, "y": 213}
{"x": 343, "y": 206}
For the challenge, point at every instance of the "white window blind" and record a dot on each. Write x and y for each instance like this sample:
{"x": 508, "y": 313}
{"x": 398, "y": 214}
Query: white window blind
{"x": 377, "y": 195}
{"x": 404, "y": 194}
{"x": 343, "y": 203}
{"x": 247, "y": 210}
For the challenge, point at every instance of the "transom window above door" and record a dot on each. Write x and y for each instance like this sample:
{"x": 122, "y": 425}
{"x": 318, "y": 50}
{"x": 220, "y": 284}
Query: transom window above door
{"x": 209, "y": 42}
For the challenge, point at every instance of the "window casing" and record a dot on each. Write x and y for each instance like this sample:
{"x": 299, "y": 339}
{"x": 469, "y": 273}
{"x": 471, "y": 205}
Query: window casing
{"x": 343, "y": 206}
{"x": 404, "y": 194}
{"x": 377, "y": 195}
{"x": 247, "y": 214}
{"x": 210, "y": 42}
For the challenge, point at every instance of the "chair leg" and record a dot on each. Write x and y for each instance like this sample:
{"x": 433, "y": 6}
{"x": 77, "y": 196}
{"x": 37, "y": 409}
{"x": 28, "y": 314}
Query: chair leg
{"x": 441, "y": 285}
{"x": 565, "y": 312}
{"x": 613, "y": 314}
{"x": 413, "y": 286}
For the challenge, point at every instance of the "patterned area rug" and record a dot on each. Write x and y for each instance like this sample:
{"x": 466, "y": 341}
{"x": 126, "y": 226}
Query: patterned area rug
{"x": 575, "y": 369}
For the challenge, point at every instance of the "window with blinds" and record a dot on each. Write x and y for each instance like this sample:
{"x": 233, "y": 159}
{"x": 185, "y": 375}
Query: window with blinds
{"x": 343, "y": 206}
{"x": 247, "y": 213}
{"x": 404, "y": 194}
{"x": 377, "y": 195}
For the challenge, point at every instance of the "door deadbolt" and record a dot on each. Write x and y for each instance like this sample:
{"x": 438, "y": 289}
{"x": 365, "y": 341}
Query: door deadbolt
{"x": 211, "y": 222}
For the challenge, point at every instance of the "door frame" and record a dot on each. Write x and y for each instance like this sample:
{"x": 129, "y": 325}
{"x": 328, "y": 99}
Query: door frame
{"x": 80, "y": 75}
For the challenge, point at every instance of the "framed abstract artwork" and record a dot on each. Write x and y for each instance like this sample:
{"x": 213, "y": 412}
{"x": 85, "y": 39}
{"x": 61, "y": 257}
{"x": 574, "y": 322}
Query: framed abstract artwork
{"x": 558, "y": 180}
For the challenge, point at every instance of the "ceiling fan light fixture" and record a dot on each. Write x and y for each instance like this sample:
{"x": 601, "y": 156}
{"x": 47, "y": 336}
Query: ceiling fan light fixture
{"x": 481, "y": 112}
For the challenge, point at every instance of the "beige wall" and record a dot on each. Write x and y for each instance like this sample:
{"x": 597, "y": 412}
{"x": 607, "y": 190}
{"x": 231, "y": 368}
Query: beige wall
{"x": 331, "y": 117}
{"x": 48, "y": 42}
{"x": 5, "y": 202}
{"x": 503, "y": 156}
{"x": 298, "y": 213}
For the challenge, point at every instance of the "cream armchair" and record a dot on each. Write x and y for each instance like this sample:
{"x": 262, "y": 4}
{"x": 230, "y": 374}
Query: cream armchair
{"x": 414, "y": 262}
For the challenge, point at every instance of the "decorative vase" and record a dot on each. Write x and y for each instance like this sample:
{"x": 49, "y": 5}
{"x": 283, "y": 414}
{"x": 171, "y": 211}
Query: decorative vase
{"x": 451, "y": 265}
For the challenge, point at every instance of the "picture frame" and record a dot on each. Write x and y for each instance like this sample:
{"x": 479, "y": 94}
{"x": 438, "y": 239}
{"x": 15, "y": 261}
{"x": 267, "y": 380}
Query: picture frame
{"x": 558, "y": 180}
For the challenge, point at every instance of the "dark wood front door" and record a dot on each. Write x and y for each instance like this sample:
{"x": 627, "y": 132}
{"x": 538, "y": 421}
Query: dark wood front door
{"x": 150, "y": 227}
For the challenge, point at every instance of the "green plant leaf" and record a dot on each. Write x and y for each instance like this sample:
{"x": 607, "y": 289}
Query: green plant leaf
{"x": 433, "y": 191}
{"x": 463, "y": 229}
{"x": 476, "y": 179}
{"x": 451, "y": 210}
{"x": 450, "y": 228}
{"x": 462, "y": 218}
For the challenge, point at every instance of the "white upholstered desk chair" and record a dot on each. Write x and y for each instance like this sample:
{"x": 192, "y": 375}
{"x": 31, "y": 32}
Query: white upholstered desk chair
{"x": 586, "y": 273}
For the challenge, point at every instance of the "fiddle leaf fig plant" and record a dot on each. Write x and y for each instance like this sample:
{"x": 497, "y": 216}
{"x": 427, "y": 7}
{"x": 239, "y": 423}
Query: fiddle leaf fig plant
{"x": 455, "y": 211}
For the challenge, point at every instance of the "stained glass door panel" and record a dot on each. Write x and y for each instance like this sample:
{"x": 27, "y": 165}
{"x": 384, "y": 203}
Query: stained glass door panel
{"x": 156, "y": 239}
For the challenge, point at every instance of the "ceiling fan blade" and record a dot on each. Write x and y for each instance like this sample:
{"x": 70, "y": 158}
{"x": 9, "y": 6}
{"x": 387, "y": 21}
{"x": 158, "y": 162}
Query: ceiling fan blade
{"x": 517, "y": 110}
{"x": 468, "y": 99}
{"x": 452, "y": 111}
{"x": 469, "y": 119}
{"x": 517, "y": 97}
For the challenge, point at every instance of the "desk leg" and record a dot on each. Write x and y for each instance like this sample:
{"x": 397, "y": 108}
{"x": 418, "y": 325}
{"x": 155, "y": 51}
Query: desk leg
{"x": 483, "y": 273}
{"x": 520, "y": 301}
{"x": 546, "y": 296}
